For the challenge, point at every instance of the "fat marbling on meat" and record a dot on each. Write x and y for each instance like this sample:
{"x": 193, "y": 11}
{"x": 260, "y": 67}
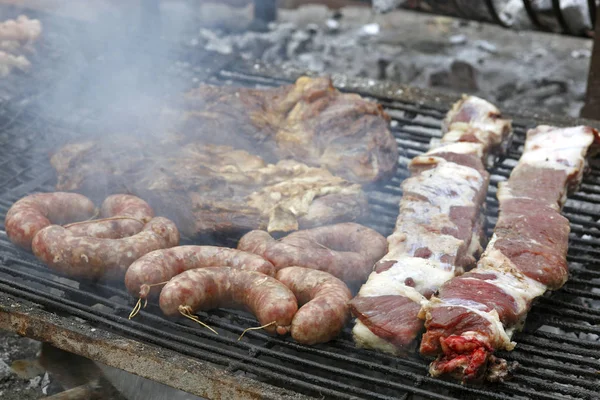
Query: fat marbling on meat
{"x": 477, "y": 313}
{"x": 438, "y": 232}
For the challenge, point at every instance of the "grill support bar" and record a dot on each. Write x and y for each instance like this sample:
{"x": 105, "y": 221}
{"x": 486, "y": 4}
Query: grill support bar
{"x": 591, "y": 109}
{"x": 146, "y": 360}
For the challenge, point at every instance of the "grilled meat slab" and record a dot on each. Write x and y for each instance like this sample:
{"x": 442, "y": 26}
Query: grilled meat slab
{"x": 439, "y": 230}
{"x": 210, "y": 188}
{"x": 477, "y": 313}
{"x": 309, "y": 121}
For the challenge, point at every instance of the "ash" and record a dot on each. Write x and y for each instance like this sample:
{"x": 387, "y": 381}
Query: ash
{"x": 20, "y": 374}
{"x": 514, "y": 69}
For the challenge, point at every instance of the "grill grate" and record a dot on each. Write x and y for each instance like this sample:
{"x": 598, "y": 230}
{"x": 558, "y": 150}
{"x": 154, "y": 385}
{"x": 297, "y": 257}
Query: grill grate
{"x": 559, "y": 350}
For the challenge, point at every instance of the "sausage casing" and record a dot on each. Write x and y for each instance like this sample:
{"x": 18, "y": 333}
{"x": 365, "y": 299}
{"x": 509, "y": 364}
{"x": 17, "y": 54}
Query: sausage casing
{"x": 93, "y": 258}
{"x": 117, "y": 205}
{"x": 162, "y": 265}
{"x": 347, "y": 251}
{"x": 208, "y": 288}
{"x": 34, "y": 212}
{"x": 324, "y": 304}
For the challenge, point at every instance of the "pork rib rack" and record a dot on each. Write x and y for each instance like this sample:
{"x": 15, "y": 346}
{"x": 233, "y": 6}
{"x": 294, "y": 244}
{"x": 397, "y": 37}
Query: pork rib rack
{"x": 475, "y": 314}
{"x": 438, "y": 232}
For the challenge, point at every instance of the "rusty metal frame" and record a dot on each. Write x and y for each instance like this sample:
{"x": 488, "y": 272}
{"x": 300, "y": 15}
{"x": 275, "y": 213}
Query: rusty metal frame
{"x": 146, "y": 360}
{"x": 591, "y": 109}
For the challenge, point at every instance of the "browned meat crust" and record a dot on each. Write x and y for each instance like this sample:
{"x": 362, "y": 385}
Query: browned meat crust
{"x": 309, "y": 121}
{"x": 208, "y": 188}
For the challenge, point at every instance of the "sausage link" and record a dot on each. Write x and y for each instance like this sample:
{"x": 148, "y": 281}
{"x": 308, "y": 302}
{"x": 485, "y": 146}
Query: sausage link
{"x": 161, "y": 265}
{"x": 208, "y": 288}
{"x": 32, "y": 213}
{"x": 126, "y": 205}
{"x": 117, "y": 205}
{"x": 93, "y": 258}
{"x": 347, "y": 251}
{"x": 324, "y": 304}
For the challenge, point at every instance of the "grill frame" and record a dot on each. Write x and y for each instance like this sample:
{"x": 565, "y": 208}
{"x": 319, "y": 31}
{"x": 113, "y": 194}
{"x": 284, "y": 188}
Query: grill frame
{"x": 30, "y": 306}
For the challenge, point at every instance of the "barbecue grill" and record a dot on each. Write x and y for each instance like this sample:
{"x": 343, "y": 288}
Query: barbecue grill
{"x": 558, "y": 351}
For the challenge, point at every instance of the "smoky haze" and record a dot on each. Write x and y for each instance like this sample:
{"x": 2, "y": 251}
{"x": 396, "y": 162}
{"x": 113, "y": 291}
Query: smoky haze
{"x": 115, "y": 71}
{"x": 203, "y": 160}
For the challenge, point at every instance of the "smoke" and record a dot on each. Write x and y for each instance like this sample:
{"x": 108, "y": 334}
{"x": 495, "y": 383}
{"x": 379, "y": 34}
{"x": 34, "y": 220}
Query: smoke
{"x": 114, "y": 70}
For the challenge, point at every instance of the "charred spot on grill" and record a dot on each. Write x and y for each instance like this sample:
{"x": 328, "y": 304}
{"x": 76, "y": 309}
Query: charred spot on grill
{"x": 499, "y": 370}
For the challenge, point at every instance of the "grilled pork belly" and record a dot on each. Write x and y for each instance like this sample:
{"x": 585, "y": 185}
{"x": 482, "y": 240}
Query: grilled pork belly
{"x": 309, "y": 121}
{"x": 209, "y": 188}
{"x": 475, "y": 314}
{"x": 475, "y": 120}
{"x": 439, "y": 230}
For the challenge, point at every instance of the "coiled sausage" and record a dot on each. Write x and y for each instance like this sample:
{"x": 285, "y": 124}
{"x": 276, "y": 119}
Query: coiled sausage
{"x": 135, "y": 211}
{"x": 161, "y": 265}
{"x": 93, "y": 258}
{"x": 324, "y": 304}
{"x": 34, "y": 212}
{"x": 208, "y": 288}
{"x": 347, "y": 251}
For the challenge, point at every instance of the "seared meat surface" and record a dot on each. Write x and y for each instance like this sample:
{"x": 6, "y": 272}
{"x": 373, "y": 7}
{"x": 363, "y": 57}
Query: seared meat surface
{"x": 236, "y": 159}
{"x": 309, "y": 121}
{"x": 210, "y": 188}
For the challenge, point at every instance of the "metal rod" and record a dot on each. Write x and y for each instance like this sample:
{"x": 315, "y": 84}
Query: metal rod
{"x": 560, "y": 17}
{"x": 495, "y": 16}
{"x": 533, "y": 15}
{"x": 592, "y": 11}
{"x": 591, "y": 108}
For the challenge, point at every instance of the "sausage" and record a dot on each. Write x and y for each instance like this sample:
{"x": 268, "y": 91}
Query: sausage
{"x": 117, "y": 205}
{"x": 127, "y": 205}
{"x": 93, "y": 258}
{"x": 208, "y": 288}
{"x": 32, "y": 213}
{"x": 161, "y": 265}
{"x": 347, "y": 251}
{"x": 324, "y": 300}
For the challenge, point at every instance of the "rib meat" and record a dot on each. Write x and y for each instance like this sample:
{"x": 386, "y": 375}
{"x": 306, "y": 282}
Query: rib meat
{"x": 477, "y": 313}
{"x": 210, "y": 188}
{"x": 438, "y": 232}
